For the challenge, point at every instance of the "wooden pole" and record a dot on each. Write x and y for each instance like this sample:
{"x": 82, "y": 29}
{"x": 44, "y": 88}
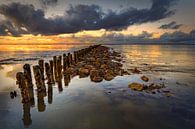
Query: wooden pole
{"x": 52, "y": 71}
{"x": 27, "y": 75}
{"x": 38, "y": 78}
{"x": 23, "y": 87}
{"x": 41, "y": 65}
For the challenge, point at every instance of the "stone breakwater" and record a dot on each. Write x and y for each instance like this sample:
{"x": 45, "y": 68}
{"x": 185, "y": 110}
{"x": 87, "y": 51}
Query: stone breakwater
{"x": 97, "y": 61}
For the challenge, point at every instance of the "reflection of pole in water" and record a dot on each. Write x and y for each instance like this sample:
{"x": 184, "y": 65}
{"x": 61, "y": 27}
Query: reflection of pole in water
{"x": 26, "y": 114}
{"x": 64, "y": 62}
{"x": 66, "y": 79}
{"x": 68, "y": 60}
{"x": 31, "y": 94}
{"x": 60, "y": 89}
{"x": 41, "y": 103}
{"x": 50, "y": 94}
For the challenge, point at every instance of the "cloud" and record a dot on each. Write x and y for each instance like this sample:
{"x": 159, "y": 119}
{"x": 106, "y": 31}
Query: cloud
{"x": 171, "y": 25}
{"x": 144, "y": 37}
{"x": 7, "y": 28}
{"x": 115, "y": 35}
{"x": 46, "y": 3}
{"x": 118, "y": 38}
{"x": 83, "y": 17}
{"x": 178, "y": 36}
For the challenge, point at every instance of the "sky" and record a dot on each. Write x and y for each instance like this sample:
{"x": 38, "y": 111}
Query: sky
{"x": 97, "y": 21}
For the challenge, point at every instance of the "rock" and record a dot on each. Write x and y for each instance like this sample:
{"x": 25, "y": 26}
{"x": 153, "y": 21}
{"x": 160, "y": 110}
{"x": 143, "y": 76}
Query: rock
{"x": 153, "y": 87}
{"x": 93, "y": 73}
{"x": 116, "y": 54}
{"x": 104, "y": 66}
{"x": 90, "y": 67}
{"x": 12, "y": 95}
{"x": 118, "y": 59}
{"x": 181, "y": 84}
{"x": 136, "y": 86}
{"x": 91, "y": 59}
{"x": 81, "y": 64}
{"x": 15, "y": 93}
{"x": 145, "y": 64}
{"x": 109, "y": 71}
{"x": 123, "y": 72}
{"x": 168, "y": 94}
{"x": 83, "y": 72}
{"x": 144, "y": 78}
{"x": 135, "y": 70}
{"x": 70, "y": 71}
{"x": 95, "y": 76}
{"x": 97, "y": 79}
{"x": 101, "y": 72}
{"x": 166, "y": 91}
{"x": 108, "y": 77}
{"x": 97, "y": 64}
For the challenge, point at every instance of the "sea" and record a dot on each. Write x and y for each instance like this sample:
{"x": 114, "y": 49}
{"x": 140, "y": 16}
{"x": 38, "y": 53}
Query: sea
{"x": 109, "y": 104}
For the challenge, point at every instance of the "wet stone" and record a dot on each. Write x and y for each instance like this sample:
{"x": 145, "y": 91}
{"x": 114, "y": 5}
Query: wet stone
{"x": 136, "y": 86}
{"x": 144, "y": 78}
{"x": 83, "y": 72}
{"x": 97, "y": 79}
{"x": 108, "y": 77}
{"x": 135, "y": 70}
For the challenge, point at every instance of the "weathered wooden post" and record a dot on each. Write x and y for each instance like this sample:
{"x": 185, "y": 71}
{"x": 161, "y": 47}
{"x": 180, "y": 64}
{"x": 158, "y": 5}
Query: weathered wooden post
{"x": 55, "y": 67}
{"x": 71, "y": 59}
{"x": 23, "y": 87}
{"x": 38, "y": 78}
{"x": 64, "y": 62}
{"x": 27, "y": 75}
{"x": 51, "y": 68}
{"x": 60, "y": 58}
{"x": 59, "y": 68}
{"x": 41, "y": 65}
{"x": 20, "y": 79}
{"x": 68, "y": 60}
{"x": 48, "y": 73}
{"x": 75, "y": 58}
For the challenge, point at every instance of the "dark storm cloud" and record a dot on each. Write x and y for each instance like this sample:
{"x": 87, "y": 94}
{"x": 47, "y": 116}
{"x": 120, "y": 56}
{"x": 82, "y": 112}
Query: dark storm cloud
{"x": 171, "y": 25}
{"x": 144, "y": 37}
{"x": 46, "y": 3}
{"x": 119, "y": 38}
{"x": 7, "y": 28}
{"x": 84, "y": 17}
{"x": 179, "y": 36}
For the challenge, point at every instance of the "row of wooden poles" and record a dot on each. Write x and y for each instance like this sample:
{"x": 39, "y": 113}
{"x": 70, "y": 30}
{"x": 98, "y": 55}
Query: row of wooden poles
{"x": 54, "y": 69}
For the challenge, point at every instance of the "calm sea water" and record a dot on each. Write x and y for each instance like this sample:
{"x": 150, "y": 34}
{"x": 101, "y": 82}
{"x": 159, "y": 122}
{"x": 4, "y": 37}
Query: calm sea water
{"x": 110, "y": 104}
